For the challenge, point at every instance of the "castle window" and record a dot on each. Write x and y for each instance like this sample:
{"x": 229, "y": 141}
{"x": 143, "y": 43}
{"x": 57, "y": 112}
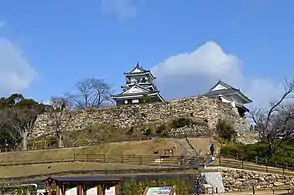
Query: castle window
{"x": 135, "y": 101}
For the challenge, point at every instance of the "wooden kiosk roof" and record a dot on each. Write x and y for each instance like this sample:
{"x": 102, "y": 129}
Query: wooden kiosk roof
{"x": 82, "y": 183}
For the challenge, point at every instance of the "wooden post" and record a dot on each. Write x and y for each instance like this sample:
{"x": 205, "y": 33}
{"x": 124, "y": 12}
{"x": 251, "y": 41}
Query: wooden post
{"x": 79, "y": 189}
{"x": 141, "y": 160}
{"x": 116, "y": 189}
{"x": 57, "y": 190}
{"x": 49, "y": 190}
{"x": 99, "y": 189}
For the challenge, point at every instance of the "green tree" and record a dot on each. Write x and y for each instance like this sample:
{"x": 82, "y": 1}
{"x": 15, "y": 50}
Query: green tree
{"x": 19, "y": 114}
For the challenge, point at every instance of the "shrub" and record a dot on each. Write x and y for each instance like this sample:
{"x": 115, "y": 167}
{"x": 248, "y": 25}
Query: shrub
{"x": 147, "y": 131}
{"x": 182, "y": 122}
{"x": 130, "y": 131}
{"x": 161, "y": 129}
{"x": 259, "y": 150}
{"x": 225, "y": 130}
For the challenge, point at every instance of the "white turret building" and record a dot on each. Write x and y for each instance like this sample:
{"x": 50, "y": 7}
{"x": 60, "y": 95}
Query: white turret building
{"x": 227, "y": 93}
{"x": 139, "y": 88}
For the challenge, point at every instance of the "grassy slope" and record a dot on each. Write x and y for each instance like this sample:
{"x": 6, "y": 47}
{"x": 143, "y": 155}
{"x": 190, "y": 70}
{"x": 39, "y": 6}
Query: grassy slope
{"x": 147, "y": 147}
{"x": 40, "y": 169}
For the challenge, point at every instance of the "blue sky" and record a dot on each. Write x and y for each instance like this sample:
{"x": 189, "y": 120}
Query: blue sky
{"x": 46, "y": 46}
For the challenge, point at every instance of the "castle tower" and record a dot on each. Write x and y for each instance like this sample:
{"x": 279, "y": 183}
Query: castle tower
{"x": 227, "y": 93}
{"x": 139, "y": 88}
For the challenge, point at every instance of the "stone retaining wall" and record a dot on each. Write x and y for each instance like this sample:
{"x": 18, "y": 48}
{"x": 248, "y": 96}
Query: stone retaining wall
{"x": 211, "y": 110}
{"x": 234, "y": 180}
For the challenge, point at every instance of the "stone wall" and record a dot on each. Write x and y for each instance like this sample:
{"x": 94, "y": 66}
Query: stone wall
{"x": 208, "y": 109}
{"x": 235, "y": 180}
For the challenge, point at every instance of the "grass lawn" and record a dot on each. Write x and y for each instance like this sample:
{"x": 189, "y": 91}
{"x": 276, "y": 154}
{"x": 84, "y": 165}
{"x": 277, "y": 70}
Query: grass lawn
{"x": 39, "y": 169}
{"x": 115, "y": 149}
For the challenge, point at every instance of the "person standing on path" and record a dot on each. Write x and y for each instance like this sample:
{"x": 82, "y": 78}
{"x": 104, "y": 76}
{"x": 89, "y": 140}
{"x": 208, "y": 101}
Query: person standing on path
{"x": 212, "y": 149}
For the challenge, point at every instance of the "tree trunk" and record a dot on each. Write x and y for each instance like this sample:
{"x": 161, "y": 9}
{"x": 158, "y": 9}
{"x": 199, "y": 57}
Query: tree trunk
{"x": 59, "y": 137}
{"x": 24, "y": 141}
{"x": 271, "y": 151}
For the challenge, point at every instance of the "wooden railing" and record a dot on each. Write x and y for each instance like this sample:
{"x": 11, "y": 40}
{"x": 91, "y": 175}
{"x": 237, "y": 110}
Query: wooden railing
{"x": 259, "y": 164}
{"x": 105, "y": 158}
{"x": 128, "y": 159}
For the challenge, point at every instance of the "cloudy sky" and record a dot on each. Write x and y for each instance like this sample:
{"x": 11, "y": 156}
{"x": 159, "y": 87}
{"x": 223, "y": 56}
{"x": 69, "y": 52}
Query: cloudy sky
{"x": 46, "y": 46}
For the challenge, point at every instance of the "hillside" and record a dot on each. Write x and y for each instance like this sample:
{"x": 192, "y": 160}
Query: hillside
{"x": 115, "y": 151}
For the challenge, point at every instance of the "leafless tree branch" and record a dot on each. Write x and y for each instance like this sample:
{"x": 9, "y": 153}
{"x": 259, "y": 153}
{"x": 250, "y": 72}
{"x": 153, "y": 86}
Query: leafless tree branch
{"x": 90, "y": 93}
{"x": 276, "y": 124}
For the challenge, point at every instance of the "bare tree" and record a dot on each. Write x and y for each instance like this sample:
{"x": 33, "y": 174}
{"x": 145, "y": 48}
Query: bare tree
{"x": 275, "y": 125}
{"x": 90, "y": 93}
{"x": 59, "y": 114}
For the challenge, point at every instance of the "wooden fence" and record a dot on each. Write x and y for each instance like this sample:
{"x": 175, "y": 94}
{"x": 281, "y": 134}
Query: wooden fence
{"x": 105, "y": 158}
{"x": 128, "y": 159}
{"x": 257, "y": 164}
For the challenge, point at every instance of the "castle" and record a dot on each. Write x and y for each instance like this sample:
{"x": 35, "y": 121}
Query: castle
{"x": 140, "y": 85}
{"x": 221, "y": 102}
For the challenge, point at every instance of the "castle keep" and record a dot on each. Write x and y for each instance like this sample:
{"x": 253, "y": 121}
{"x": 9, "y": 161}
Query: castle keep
{"x": 139, "y": 88}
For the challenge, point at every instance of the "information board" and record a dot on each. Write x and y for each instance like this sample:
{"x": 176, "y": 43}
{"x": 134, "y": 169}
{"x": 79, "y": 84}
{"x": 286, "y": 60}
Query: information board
{"x": 166, "y": 190}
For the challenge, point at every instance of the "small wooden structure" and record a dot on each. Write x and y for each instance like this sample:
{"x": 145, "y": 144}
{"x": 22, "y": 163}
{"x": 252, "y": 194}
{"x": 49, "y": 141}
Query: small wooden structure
{"x": 61, "y": 184}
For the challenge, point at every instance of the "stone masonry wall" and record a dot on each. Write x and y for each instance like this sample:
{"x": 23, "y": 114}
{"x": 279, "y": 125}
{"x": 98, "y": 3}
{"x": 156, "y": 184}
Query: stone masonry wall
{"x": 126, "y": 116}
{"x": 236, "y": 180}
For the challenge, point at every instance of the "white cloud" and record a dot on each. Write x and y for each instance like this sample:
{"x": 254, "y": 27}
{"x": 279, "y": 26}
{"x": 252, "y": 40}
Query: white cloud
{"x": 16, "y": 73}
{"x": 124, "y": 9}
{"x": 194, "y": 73}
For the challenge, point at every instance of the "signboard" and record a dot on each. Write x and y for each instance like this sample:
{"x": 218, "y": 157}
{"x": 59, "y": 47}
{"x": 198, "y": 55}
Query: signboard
{"x": 166, "y": 190}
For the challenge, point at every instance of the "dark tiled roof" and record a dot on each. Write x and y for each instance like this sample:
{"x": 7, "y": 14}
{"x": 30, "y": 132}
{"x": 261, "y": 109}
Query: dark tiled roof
{"x": 139, "y": 67}
{"x": 133, "y": 94}
{"x": 223, "y": 84}
{"x": 221, "y": 91}
{"x": 225, "y": 92}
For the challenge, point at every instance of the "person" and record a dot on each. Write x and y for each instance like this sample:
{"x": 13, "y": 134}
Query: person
{"x": 212, "y": 149}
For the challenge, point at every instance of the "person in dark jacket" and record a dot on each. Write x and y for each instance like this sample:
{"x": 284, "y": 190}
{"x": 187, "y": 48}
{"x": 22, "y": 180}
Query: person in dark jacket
{"x": 212, "y": 149}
